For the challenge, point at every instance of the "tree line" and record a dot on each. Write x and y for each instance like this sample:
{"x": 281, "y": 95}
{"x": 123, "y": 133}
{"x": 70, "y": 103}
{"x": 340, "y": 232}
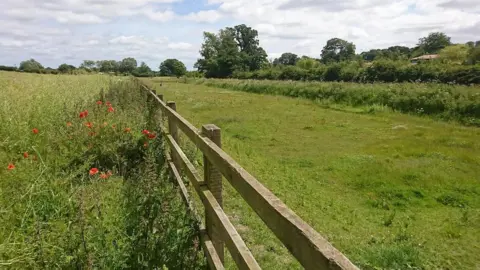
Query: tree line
{"x": 234, "y": 52}
{"x": 127, "y": 66}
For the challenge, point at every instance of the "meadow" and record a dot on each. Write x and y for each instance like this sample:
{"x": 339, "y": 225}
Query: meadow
{"x": 390, "y": 190}
{"x": 83, "y": 183}
{"x": 442, "y": 101}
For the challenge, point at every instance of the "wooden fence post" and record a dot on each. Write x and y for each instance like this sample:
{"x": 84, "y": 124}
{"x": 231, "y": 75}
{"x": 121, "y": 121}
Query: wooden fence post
{"x": 173, "y": 130}
{"x": 213, "y": 179}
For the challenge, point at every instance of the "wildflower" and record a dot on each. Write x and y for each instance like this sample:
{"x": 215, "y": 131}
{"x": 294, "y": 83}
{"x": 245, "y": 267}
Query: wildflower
{"x": 103, "y": 175}
{"x": 88, "y": 124}
{"x": 108, "y": 103}
{"x": 127, "y": 130}
{"x": 145, "y": 144}
{"x": 93, "y": 171}
{"x": 110, "y": 109}
{"x": 151, "y": 136}
{"x": 69, "y": 124}
{"x": 145, "y": 132}
{"x": 114, "y": 126}
{"x": 10, "y": 166}
{"x": 109, "y": 173}
{"x": 35, "y": 131}
{"x": 84, "y": 114}
{"x": 99, "y": 102}
{"x": 25, "y": 155}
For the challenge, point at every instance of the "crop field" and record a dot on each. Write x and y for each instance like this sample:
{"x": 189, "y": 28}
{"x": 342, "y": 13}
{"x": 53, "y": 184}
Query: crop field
{"x": 82, "y": 185}
{"x": 390, "y": 190}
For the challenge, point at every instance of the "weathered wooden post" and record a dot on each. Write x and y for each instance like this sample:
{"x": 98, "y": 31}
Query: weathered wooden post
{"x": 173, "y": 130}
{"x": 213, "y": 179}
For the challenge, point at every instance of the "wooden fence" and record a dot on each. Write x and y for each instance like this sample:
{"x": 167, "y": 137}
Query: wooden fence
{"x": 305, "y": 244}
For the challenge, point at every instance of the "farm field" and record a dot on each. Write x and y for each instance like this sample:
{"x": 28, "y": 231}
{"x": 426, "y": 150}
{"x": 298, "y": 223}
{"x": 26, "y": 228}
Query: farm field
{"x": 80, "y": 186}
{"x": 389, "y": 190}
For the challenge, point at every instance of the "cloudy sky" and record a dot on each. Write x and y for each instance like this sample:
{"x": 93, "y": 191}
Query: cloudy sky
{"x": 58, "y": 31}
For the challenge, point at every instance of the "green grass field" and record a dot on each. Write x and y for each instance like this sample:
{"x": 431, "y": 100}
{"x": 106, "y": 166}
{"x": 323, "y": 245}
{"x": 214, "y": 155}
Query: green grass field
{"x": 390, "y": 190}
{"x": 56, "y": 210}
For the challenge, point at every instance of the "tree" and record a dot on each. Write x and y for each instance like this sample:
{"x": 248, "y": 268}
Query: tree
{"x": 470, "y": 44}
{"x": 455, "y": 54}
{"x": 434, "y": 42}
{"x": 286, "y": 59}
{"x": 127, "y": 65}
{"x": 231, "y": 49}
{"x": 88, "y": 64}
{"x": 307, "y": 63}
{"x": 172, "y": 67}
{"x": 337, "y": 50}
{"x": 30, "y": 66}
{"x": 64, "y": 68}
{"x": 142, "y": 71}
{"x": 107, "y": 65}
{"x": 474, "y": 55}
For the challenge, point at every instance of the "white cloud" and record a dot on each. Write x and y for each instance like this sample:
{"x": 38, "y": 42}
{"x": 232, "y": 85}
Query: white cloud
{"x": 159, "y": 16}
{"x": 209, "y": 16}
{"x": 180, "y": 46}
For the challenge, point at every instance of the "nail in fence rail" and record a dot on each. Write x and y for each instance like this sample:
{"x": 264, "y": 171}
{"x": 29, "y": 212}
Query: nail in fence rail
{"x": 305, "y": 244}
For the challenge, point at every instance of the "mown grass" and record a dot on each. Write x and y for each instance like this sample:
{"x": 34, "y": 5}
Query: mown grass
{"x": 391, "y": 191}
{"x": 448, "y": 102}
{"x": 54, "y": 214}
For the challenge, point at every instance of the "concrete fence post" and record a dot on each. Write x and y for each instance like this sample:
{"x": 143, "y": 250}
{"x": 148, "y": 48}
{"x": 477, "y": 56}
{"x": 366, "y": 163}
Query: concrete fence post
{"x": 213, "y": 179}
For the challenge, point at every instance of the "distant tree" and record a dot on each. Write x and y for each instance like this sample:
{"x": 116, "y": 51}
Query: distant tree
{"x": 470, "y": 44}
{"x": 8, "y": 68}
{"x": 231, "y": 49}
{"x": 286, "y": 59}
{"x": 30, "y": 66}
{"x": 88, "y": 64}
{"x": 477, "y": 43}
{"x": 474, "y": 55}
{"x": 307, "y": 63}
{"x": 337, "y": 50}
{"x": 127, "y": 65}
{"x": 172, "y": 67}
{"x": 63, "y": 68}
{"x": 434, "y": 42}
{"x": 142, "y": 71}
{"x": 107, "y": 65}
{"x": 455, "y": 54}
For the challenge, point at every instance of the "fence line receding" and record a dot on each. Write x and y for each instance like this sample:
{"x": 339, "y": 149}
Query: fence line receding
{"x": 304, "y": 243}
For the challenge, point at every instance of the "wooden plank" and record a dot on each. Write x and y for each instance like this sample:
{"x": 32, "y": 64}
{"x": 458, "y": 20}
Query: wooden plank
{"x": 213, "y": 260}
{"x": 308, "y": 246}
{"x": 235, "y": 244}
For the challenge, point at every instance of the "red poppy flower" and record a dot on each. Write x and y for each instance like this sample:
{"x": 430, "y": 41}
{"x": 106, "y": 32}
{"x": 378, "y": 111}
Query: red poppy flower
{"x": 145, "y": 132}
{"x": 127, "y": 130}
{"x": 103, "y": 175}
{"x": 10, "y": 166}
{"x": 93, "y": 171}
{"x": 108, "y": 103}
{"x": 25, "y": 155}
{"x": 114, "y": 126}
{"x": 110, "y": 109}
{"x": 69, "y": 124}
{"x": 151, "y": 136}
{"x": 35, "y": 131}
{"x": 84, "y": 114}
{"x": 99, "y": 102}
{"x": 88, "y": 124}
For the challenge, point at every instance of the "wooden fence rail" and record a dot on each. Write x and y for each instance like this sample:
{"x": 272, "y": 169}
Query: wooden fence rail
{"x": 305, "y": 244}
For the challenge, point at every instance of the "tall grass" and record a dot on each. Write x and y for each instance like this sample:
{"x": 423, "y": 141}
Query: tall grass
{"x": 444, "y": 101}
{"x": 56, "y": 212}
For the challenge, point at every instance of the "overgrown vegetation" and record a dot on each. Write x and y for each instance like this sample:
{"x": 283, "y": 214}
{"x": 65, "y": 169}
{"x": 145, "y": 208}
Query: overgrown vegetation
{"x": 448, "y": 102}
{"x": 82, "y": 187}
